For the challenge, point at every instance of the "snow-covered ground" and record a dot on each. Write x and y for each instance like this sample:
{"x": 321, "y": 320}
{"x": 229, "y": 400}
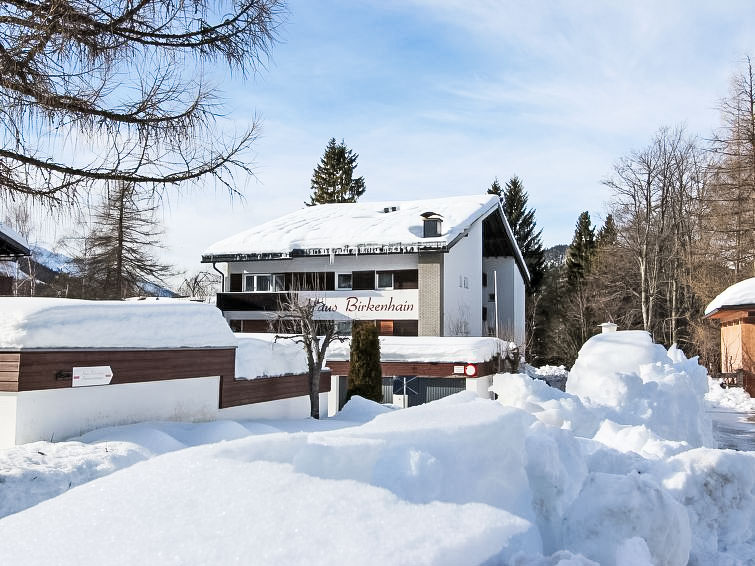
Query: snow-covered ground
{"x": 620, "y": 469}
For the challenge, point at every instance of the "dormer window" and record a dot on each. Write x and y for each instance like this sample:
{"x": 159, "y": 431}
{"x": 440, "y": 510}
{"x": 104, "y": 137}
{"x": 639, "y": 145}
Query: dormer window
{"x": 431, "y": 224}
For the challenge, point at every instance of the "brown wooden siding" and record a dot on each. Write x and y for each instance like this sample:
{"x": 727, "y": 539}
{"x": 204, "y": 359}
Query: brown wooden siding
{"x": 9, "y": 363}
{"x": 37, "y": 370}
{"x": 235, "y": 392}
{"x": 424, "y": 369}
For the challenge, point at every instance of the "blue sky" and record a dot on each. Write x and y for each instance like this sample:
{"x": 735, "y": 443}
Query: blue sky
{"x": 438, "y": 97}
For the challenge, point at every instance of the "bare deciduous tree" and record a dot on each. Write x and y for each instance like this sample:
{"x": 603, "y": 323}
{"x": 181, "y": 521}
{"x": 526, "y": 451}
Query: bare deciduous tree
{"x": 95, "y": 91}
{"x": 297, "y": 321}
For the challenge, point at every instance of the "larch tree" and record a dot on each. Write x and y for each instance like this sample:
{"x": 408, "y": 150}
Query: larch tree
{"x": 96, "y": 92}
{"x": 523, "y": 225}
{"x": 333, "y": 179}
{"x": 118, "y": 253}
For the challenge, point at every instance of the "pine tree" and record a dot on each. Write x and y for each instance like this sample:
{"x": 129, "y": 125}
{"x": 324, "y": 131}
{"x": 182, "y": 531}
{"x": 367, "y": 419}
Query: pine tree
{"x": 333, "y": 178}
{"x": 608, "y": 234}
{"x": 119, "y": 251}
{"x": 495, "y": 188}
{"x": 522, "y": 222}
{"x": 580, "y": 252}
{"x": 365, "y": 373}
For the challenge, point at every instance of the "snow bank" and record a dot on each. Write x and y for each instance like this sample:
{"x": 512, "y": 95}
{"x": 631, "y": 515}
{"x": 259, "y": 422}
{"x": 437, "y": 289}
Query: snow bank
{"x": 742, "y": 293}
{"x": 68, "y": 323}
{"x": 260, "y": 355}
{"x": 627, "y": 475}
{"x": 356, "y": 225}
{"x": 540, "y": 478}
{"x": 734, "y": 398}
{"x": 428, "y": 349}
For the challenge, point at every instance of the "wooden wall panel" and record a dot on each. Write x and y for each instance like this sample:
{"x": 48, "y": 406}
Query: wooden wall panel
{"x": 38, "y": 369}
{"x": 235, "y": 392}
{"x": 424, "y": 369}
{"x": 9, "y": 363}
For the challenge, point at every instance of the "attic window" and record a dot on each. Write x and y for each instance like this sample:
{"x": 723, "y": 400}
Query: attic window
{"x": 388, "y": 209}
{"x": 431, "y": 224}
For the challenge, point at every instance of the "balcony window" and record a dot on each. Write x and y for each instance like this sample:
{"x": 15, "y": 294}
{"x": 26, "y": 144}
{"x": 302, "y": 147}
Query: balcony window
{"x": 385, "y": 280}
{"x": 263, "y": 283}
{"x": 258, "y": 283}
{"x": 279, "y": 282}
{"x": 344, "y": 281}
{"x": 248, "y": 283}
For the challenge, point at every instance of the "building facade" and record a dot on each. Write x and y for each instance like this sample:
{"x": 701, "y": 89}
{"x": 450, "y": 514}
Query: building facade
{"x": 438, "y": 267}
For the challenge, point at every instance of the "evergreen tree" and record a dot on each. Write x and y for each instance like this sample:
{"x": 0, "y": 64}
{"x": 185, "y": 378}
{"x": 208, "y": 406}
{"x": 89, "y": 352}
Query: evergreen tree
{"x": 608, "y": 234}
{"x": 333, "y": 178}
{"x": 118, "y": 254}
{"x": 522, "y": 222}
{"x": 580, "y": 252}
{"x": 495, "y": 188}
{"x": 365, "y": 373}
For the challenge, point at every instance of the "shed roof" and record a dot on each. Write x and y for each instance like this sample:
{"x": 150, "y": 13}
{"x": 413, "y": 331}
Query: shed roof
{"x": 740, "y": 296}
{"x": 12, "y": 244}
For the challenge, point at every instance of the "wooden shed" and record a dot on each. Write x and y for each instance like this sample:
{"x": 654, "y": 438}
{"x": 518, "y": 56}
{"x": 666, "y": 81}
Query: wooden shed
{"x": 734, "y": 308}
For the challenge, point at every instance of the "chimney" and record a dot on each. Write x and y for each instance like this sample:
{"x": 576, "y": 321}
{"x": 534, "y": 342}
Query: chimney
{"x": 608, "y": 327}
{"x": 431, "y": 222}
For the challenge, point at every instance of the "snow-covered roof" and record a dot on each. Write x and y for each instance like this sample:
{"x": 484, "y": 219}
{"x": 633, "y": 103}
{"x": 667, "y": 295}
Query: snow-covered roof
{"x": 445, "y": 349}
{"x": 34, "y": 322}
{"x": 738, "y": 295}
{"x": 365, "y": 227}
{"x": 11, "y": 242}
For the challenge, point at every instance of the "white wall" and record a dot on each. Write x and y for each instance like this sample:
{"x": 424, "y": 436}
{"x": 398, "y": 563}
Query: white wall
{"x": 58, "y": 414}
{"x": 463, "y": 264}
{"x": 293, "y": 408}
{"x": 8, "y": 403}
{"x": 511, "y": 297}
{"x": 62, "y": 413}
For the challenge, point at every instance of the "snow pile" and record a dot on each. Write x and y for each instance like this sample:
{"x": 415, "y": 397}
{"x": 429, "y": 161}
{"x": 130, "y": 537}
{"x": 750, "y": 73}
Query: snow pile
{"x": 261, "y": 355}
{"x": 629, "y": 473}
{"x": 357, "y": 225}
{"x": 539, "y": 478}
{"x": 637, "y": 382}
{"x": 734, "y": 398}
{"x": 450, "y": 349}
{"x": 742, "y": 293}
{"x": 32, "y": 322}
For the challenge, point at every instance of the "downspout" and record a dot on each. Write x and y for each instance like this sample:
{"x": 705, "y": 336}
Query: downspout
{"x": 222, "y": 278}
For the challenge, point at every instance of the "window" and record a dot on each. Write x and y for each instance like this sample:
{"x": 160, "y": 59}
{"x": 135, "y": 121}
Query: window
{"x": 344, "y": 281}
{"x": 385, "y": 280}
{"x": 263, "y": 283}
{"x": 431, "y": 228}
{"x": 385, "y": 327}
{"x": 363, "y": 280}
{"x": 279, "y": 282}
{"x": 405, "y": 279}
{"x": 484, "y": 279}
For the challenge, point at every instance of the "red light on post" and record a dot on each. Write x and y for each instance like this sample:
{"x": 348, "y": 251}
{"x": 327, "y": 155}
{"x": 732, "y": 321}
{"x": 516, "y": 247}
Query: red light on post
{"x": 470, "y": 370}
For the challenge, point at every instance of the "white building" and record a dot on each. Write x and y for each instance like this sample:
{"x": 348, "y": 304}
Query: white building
{"x": 434, "y": 267}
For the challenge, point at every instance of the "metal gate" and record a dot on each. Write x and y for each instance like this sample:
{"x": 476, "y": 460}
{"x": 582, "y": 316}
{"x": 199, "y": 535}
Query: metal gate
{"x": 421, "y": 390}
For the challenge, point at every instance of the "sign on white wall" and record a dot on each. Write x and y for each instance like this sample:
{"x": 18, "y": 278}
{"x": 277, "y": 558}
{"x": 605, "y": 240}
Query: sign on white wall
{"x": 93, "y": 375}
{"x": 366, "y": 305}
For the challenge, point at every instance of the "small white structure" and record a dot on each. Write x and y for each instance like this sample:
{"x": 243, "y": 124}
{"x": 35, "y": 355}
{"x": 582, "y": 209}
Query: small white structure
{"x": 69, "y": 366}
{"x": 436, "y": 267}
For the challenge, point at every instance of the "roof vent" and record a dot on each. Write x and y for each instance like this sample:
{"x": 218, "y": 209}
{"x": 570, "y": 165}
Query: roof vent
{"x": 388, "y": 209}
{"x": 431, "y": 222}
